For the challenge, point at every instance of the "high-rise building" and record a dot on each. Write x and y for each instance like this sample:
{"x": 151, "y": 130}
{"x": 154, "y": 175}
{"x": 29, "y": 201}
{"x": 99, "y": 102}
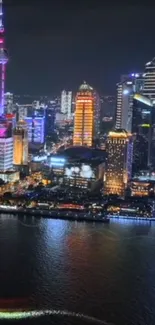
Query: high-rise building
{"x": 119, "y": 149}
{"x": 97, "y": 114}
{"x": 84, "y": 117}
{"x": 6, "y": 145}
{"x": 8, "y": 103}
{"x": 36, "y": 129}
{"x": 66, "y": 103}
{"x": 149, "y": 80}
{"x": 129, "y": 85}
{"x": 143, "y": 128}
{"x": 22, "y": 111}
{"x": 20, "y": 144}
{"x": 3, "y": 61}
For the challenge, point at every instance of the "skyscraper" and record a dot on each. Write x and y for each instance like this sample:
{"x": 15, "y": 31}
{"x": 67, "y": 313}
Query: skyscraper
{"x": 142, "y": 130}
{"x": 125, "y": 89}
{"x": 149, "y": 80}
{"x": 8, "y": 103}
{"x": 3, "y": 61}
{"x": 119, "y": 162}
{"x": 6, "y": 145}
{"x": 97, "y": 114}
{"x": 20, "y": 144}
{"x": 66, "y": 103}
{"x": 84, "y": 117}
{"x": 36, "y": 129}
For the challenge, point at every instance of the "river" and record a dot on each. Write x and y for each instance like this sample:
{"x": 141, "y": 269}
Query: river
{"x": 103, "y": 271}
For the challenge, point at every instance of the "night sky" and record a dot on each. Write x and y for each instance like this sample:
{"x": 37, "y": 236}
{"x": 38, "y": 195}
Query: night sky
{"x": 54, "y": 46}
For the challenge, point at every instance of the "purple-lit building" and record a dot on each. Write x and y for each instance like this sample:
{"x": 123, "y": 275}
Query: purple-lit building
{"x": 36, "y": 129}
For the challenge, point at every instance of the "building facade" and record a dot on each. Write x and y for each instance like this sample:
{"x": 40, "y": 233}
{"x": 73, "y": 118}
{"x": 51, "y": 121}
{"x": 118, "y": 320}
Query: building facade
{"x": 20, "y": 144}
{"x": 129, "y": 85}
{"x": 119, "y": 162}
{"x": 36, "y": 129}
{"x": 84, "y": 117}
{"x": 66, "y": 103}
{"x": 149, "y": 80}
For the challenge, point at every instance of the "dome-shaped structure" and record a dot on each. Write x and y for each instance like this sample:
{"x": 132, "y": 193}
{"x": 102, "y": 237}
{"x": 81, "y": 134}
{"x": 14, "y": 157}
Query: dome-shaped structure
{"x": 85, "y": 87}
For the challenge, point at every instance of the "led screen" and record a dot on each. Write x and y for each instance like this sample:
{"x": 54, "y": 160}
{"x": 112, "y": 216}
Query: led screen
{"x": 84, "y": 171}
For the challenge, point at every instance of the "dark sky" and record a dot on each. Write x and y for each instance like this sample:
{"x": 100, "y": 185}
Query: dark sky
{"x": 53, "y": 45}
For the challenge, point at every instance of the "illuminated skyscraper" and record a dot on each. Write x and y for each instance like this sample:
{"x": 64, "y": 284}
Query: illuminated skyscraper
{"x": 125, "y": 90}
{"x": 20, "y": 144}
{"x": 6, "y": 145}
{"x": 97, "y": 114}
{"x": 8, "y": 103}
{"x": 84, "y": 117}
{"x": 119, "y": 162}
{"x": 66, "y": 103}
{"x": 36, "y": 129}
{"x": 149, "y": 80}
{"x": 3, "y": 61}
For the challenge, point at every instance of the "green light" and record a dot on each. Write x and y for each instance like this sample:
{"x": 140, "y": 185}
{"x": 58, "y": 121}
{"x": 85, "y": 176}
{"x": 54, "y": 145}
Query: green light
{"x": 145, "y": 125}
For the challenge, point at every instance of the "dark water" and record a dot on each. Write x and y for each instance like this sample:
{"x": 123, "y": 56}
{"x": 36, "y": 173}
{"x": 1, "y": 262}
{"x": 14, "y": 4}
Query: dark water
{"x": 103, "y": 271}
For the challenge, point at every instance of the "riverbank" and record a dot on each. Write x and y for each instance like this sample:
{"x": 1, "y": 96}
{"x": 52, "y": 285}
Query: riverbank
{"x": 69, "y": 215}
{"x": 55, "y": 214}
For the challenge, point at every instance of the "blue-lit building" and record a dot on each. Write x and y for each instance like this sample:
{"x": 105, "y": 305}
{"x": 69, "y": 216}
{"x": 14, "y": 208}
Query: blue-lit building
{"x": 36, "y": 129}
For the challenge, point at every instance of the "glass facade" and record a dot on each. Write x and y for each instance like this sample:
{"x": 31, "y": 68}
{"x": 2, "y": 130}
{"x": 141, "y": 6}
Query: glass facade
{"x": 36, "y": 129}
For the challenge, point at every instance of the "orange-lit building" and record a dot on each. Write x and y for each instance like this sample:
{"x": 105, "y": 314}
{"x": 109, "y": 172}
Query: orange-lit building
{"x": 119, "y": 162}
{"x": 20, "y": 144}
{"x": 84, "y": 117}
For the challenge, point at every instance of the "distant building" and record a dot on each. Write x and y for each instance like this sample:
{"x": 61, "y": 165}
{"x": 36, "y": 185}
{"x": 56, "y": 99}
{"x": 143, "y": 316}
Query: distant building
{"x": 84, "y": 117}
{"x": 119, "y": 148}
{"x": 8, "y": 103}
{"x": 22, "y": 111}
{"x": 36, "y": 129}
{"x": 20, "y": 142}
{"x": 6, "y": 145}
{"x": 129, "y": 85}
{"x": 97, "y": 114}
{"x": 66, "y": 103}
{"x": 149, "y": 80}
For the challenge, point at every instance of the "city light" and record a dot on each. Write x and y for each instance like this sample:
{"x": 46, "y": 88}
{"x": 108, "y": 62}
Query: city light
{"x": 125, "y": 92}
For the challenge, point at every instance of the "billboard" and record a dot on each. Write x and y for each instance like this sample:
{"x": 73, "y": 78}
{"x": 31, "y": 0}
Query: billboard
{"x": 83, "y": 171}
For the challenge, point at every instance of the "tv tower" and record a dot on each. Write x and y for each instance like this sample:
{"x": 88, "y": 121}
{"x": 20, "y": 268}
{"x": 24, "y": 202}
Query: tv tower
{"x": 3, "y": 61}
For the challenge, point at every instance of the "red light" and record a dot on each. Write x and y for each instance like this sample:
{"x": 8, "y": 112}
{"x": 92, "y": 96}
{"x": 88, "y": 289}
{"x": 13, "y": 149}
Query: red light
{"x": 9, "y": 115}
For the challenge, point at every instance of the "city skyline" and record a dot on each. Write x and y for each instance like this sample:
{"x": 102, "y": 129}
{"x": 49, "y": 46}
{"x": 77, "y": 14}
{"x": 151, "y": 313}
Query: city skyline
{"x": 59, "y": 48}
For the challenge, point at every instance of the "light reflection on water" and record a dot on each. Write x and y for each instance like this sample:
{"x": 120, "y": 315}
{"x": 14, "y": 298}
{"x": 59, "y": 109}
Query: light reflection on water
{"x": 101, "y": 270}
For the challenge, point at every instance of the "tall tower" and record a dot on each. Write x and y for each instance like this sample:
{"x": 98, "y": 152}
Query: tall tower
{"x": 66, "y": 103}
{"x": 84, "y": 117}
{"x": 125, "y": 90}
{"x": 3, "y": 61}
{"x": 119, "y": 161}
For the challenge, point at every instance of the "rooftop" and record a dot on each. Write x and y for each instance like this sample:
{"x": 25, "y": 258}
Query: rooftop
{"x": 85, "y": 87}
